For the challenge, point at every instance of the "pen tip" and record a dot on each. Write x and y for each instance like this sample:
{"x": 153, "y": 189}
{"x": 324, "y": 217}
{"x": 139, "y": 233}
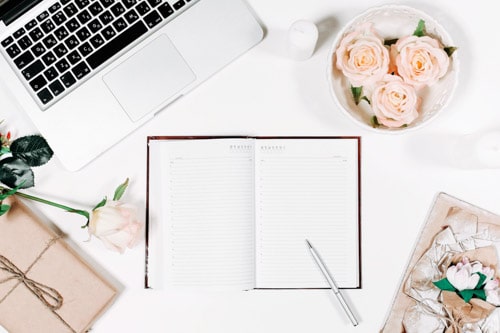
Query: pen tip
{"x": 308, "y": 244}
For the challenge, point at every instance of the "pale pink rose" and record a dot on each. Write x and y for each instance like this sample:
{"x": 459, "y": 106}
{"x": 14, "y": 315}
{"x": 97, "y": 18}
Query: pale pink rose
{"x": 116, "y": 225}
{"x": 362, "y": 56}
{"x": 420, "y": 61}
{"x": 394, "y": 102}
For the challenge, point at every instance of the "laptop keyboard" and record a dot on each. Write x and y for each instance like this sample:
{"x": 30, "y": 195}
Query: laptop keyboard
{"x": 73, "y": 38}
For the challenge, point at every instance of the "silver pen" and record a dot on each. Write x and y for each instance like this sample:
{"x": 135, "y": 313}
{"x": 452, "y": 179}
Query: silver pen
{"x": 332, "y": 284}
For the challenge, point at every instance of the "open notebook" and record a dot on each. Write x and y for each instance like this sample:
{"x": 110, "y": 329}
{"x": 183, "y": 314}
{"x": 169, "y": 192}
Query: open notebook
{"x": 235, "y": 212}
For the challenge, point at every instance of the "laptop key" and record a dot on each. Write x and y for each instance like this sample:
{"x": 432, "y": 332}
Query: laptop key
{"x": 31, "y": 24}
{"x": 38, "y": 82}
{"x": 129, "y": 3}
{"x": 95, "y": 25}
{"x": 120, "y": 24}
{"x": 68, "y": 79}
{"x": 74, "y": 57}
{"x": 118, "y": 9}
{"x": 54, "y": 8}
{"x": 49, "y": 58}
{"x": 106, "y": 17}
{"x": 165, "y": 10}
{"x": 45, "y": 96}
{"x": 7, "y": 41}
{"x": 80, "y": 70}
{"x": 59, "y": 18}
{"x": 61, "y": 33}
{"x": 33, "y": 70}
{"x": 13, "y": 50}
{"x": 49, "y": 41}
{"x": 108, "y": 33}
{"x": 25, "y": 42}
{"x": 24, "y": 59}
{"x": 50, "y": 73}
{"x": 43, "y": 15}
{"x": 95, "y": 8}
{"x": 56, "y": 87}
{"x": 152, "y": 19}
{"x": 107, "y": 3}
{"x": 70, "y": 10}
{"x": 82, "y": 3}
{"x": 179, "y": 4}
{"x": 154, "y": 3}
{"x": 19, "y": 33}
{"x": 64, "y": 2}
{"x": 142, "y": 8}
{"x": 131, "y": 16}
{"x": 38, "y": 49}
{"x": 60, "y": 50}
{"x": 47, "y": 26}
{"x": 72, "y": 25}
{"x": 83, "y": 34}
{"x": 84, "y": 16}
{"x": 36, "y": 34}
{"x": 85, "y": 49}
{"x": 116, "y": 44}
{"x": 71, "y": 42}
{"x": 62, "y": 65}
{"x": 96, "y": 41}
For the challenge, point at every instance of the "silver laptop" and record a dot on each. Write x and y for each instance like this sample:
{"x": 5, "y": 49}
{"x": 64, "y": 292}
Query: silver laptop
{"x": 88, "y": 72}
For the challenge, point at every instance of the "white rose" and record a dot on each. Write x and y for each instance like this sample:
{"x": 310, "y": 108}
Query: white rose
{"x": 116, "y": 225}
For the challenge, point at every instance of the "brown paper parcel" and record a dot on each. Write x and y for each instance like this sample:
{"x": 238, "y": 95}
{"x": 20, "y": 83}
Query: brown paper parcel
{"x": 439, "y": 241}
{"x": 44, "y": 285}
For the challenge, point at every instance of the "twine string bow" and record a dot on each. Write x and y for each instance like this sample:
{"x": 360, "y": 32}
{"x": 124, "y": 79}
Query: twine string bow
{"x": 49, "y": 296}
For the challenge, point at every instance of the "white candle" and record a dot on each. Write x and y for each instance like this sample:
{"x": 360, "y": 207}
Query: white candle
{"x": 302, "y": 39}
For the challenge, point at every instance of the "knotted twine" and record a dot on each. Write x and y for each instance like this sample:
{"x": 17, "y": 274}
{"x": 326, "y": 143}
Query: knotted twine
{"x": 49, "y": 297}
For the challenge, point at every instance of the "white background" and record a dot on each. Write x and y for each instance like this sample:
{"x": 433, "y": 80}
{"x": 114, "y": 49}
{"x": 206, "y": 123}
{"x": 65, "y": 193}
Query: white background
{"x": 264, "y": 93}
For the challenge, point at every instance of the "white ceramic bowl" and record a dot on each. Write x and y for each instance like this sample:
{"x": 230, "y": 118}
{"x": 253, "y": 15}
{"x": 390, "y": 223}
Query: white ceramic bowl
{"x": 390, "y": 22}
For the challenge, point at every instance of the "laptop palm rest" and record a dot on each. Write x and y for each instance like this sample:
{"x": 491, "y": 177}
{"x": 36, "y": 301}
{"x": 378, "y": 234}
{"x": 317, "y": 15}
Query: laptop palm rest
{"x": 149, "y": 78}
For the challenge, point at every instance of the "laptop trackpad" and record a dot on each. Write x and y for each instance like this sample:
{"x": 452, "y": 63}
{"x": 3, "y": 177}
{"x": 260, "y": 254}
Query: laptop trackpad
{"x": 150, "y": 77}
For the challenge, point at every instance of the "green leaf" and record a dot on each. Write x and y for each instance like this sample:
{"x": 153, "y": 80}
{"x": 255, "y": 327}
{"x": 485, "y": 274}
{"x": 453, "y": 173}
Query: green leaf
{"x": 364, "y": 98}
{"x": 482, "y": 278}
{"x": 33, "y": 149}
{"x": 480, "y": 293}
{"x": 374, "y": 122}
{"x": 450, "y": 50}
{"x": 420, "y": 30}
{"x": 4, "y": 150}
{"x": 120, "y": 190}
{"x": 466, "y": 294}
{"x": 16, "y": 173}
{"x": 100, "y": 204}
{"x": 444, "y": 284}
{"x": 389, "y": 42}
{"x": 4, "y": 209}
{"x": 356, "y": 93}
{"x": 5, "y": 195}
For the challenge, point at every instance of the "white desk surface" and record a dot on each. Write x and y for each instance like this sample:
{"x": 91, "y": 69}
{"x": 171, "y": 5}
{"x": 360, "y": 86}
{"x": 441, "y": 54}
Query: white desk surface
{"x": 264, "y": 93}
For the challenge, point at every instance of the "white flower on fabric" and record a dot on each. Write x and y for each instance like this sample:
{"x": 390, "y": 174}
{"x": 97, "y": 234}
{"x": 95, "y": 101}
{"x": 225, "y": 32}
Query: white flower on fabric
{"x": 461, "y": 275}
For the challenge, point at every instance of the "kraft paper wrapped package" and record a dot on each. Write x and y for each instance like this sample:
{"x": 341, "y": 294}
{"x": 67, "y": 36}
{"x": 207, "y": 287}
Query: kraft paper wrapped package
{"x": 454, "y": 230}
{"x": 44, "y": 285}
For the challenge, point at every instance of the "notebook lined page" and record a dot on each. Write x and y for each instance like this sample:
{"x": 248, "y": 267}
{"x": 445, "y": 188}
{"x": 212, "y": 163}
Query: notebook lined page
{"x": 306, "y": 189}
{"x": 208, "y": 213}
